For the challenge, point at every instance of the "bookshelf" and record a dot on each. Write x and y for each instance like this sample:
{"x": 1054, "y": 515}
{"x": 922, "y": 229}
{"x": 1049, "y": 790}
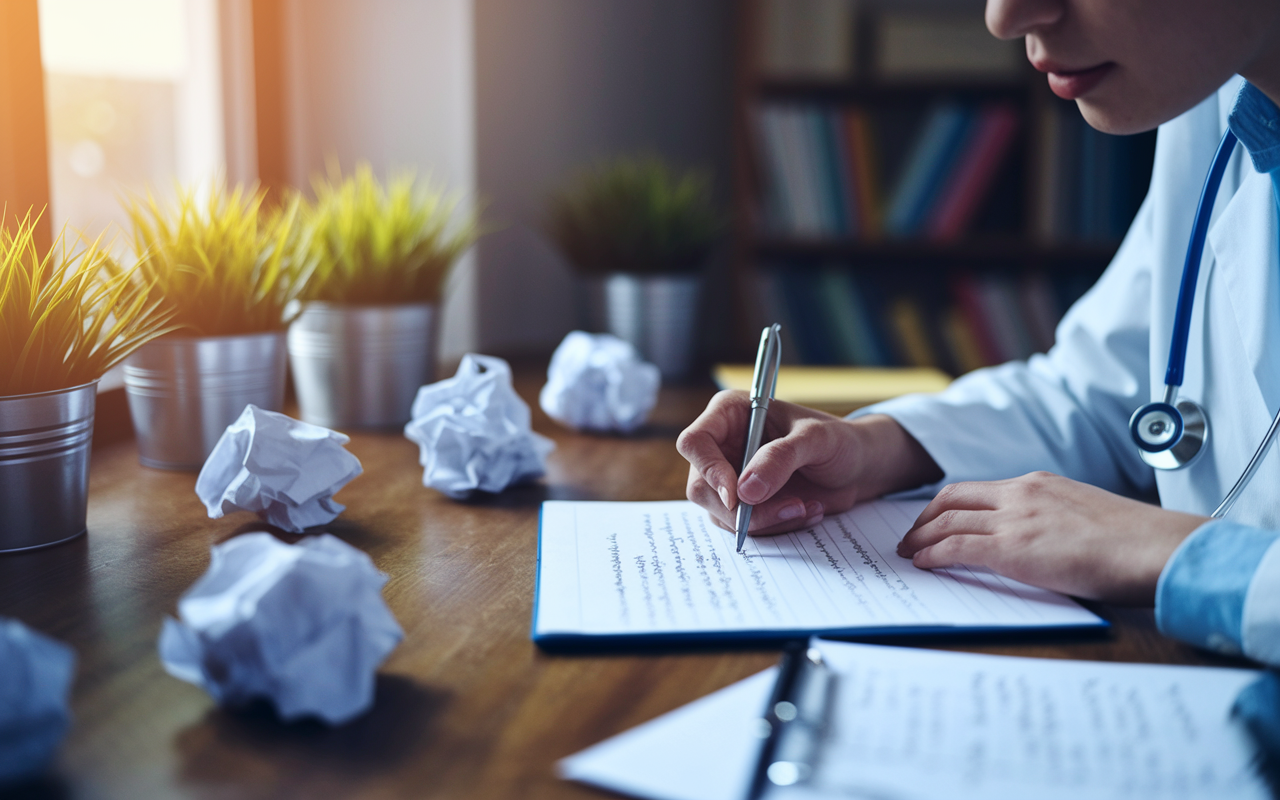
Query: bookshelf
{"x": 930, "y": 208}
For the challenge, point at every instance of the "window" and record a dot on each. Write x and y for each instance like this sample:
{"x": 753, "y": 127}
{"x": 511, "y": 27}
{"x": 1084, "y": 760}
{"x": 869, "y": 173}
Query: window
{"x": 134, "y": 99}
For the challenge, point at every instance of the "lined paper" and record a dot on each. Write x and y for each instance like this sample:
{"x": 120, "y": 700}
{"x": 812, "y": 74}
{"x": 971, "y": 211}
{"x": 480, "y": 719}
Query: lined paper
{"x": 664, "y": 567}
{"x": 915, "y": 724}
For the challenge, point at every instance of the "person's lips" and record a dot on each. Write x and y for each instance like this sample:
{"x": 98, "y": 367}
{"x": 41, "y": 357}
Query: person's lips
{"x": 1070, "y": 84}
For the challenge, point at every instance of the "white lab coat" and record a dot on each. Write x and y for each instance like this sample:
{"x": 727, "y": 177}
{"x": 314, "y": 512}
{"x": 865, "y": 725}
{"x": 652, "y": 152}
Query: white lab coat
{"x": 1068, "y": 411}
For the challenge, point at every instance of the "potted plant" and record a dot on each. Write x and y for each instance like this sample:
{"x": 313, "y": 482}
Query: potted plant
{"x": 647, "y": 230}
{"x": 228, "y": 271}
{"x": 367, "y": 335}
{"x": 66, "y": 317}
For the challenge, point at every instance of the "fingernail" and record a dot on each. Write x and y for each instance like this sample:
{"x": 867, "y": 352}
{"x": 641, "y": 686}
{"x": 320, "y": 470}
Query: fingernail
{"x": 724, "y": 497}
{"x": 791, "y": 511}
{"x": 815, "y": 513}
{"x": 752, "y": 489}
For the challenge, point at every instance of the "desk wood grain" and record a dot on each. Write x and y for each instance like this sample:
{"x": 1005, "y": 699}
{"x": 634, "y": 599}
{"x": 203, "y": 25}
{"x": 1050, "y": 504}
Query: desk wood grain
{"x": 466, "y": 706}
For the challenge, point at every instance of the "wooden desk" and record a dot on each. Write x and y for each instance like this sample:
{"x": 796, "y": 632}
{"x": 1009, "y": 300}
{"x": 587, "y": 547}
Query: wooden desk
{"x": 466, "y": 706}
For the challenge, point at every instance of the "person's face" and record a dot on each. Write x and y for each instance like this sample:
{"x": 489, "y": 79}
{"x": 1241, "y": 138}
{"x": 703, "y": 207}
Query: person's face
{"x": 1133, "y": 64}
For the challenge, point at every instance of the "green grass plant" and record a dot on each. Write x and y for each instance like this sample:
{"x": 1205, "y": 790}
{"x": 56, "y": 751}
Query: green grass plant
{"x": 635, "y": 215}
{"x": 381, "y": 244}
{"x": 223, "y": 264}
{"x": 69, "y": 314}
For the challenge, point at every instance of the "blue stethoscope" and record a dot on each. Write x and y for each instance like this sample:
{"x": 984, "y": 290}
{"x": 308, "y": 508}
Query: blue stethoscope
{"x": 1171, "y": 433}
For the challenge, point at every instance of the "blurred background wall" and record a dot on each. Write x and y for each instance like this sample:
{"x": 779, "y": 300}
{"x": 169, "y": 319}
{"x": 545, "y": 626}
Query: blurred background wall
{"x": 390, "y": 82}
{"x": 560, "y": 83}
{"x": 503, "y": 100}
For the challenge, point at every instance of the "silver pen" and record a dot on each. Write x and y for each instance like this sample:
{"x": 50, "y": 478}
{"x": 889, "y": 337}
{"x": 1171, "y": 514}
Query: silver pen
{"x": 763, "y": 382}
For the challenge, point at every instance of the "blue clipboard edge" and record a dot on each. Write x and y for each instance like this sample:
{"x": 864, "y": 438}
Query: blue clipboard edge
{"x": 636, "y": 642}
{"x": 595, "y": 642}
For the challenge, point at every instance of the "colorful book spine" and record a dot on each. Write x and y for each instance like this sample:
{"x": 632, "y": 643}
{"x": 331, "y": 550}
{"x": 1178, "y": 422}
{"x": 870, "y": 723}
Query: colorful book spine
{"x": 801, "y": 160}
{"x": 970, "y": 303}
{"x": 779, "y": 190}
{"x": 841, "y": 172}
{"x": 848, "y": 323}
{"x": 829, "y": 174}
{"x": 975, "y": 169}
{"x": 869, "y": 332}
{"x": 801, "y": 296}
{"x": 840, "y": 327}
{"x": 941, "y": 136}
{"x": 864, "y": 176}
{"x": 772, "y": 306}
{"x": 962, "y": 342}
{"x": 907, "y": 322}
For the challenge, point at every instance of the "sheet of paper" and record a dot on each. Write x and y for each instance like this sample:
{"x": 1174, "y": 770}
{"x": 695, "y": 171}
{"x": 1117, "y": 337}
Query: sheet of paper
{"x": 714, "y": 752}
{"x": 910, "y": 724}
{"x": 663, "y": 568}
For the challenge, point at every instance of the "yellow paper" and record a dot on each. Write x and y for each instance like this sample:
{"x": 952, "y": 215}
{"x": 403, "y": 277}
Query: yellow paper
{"x": 838, "y": 390}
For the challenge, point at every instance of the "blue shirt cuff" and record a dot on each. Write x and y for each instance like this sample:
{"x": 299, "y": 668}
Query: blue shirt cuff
{"x": 1201, "y": 592}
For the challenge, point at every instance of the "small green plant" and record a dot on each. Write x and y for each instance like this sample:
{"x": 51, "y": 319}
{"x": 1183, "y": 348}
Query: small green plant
{"x": 377, "y": 244}
{"x": 635, "y": 215}
{"x": 222, "y": 264}
{"x": 69, "y": 315}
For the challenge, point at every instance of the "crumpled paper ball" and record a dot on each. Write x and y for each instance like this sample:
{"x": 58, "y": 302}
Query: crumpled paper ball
{"x": 474, "y": 432}
{"x": 281, "y": 469}
{"x": 35, "y": 680}
{"x": 303, "y": 626}
{"x": 599, "y": 382}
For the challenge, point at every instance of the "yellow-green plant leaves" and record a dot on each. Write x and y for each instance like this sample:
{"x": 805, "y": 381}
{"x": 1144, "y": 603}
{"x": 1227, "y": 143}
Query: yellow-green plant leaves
{"x": 635, "y": 215}
{"x": 376, "y": 244}
{"x": 69, "y": 315}
{"x": 222, "y": 264}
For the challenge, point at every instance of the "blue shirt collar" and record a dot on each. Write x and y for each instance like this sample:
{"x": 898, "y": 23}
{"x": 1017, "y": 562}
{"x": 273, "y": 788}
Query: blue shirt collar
{"x": 1255, "y": 120}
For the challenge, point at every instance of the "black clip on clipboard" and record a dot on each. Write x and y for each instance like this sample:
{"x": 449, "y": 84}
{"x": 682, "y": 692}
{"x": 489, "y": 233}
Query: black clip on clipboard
{"x": 795, "y": 721}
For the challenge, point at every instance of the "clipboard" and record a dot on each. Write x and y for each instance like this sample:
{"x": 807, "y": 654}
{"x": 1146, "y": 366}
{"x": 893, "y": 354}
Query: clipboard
{"x": 586, "y": 575}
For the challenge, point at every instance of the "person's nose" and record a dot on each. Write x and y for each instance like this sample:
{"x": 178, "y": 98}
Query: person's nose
{"x": 1011, "y": 19}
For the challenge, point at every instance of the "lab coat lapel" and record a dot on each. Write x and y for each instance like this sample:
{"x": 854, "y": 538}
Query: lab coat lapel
{"x": 1246, "y": 249}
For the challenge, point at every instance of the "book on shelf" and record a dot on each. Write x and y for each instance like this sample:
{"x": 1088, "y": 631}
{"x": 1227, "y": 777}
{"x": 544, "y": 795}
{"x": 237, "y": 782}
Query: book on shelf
{"x": 864, "y": 176}
{"x": 822, "y": 168}
{"x": 922, "y": 45}
{"x": 974, "y": 171}
{"x": 807, "y": 39}
{"x": 839, "y": 315}
{"x": 936, "y": 146}
{"x": 1090, "y": 183}
{"x": 818, "y": 40}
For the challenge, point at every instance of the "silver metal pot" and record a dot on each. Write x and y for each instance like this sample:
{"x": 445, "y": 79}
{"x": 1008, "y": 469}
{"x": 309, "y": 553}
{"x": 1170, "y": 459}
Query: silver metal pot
{"x": 657, "y": 314}
{"x": 184, "y": 391}
{"x": 360, "y": 366}
{"x": 44, "y": 466}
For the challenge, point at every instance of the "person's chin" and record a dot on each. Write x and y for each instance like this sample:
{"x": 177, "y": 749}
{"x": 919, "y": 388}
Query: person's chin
{"x": 1113, "y": 110}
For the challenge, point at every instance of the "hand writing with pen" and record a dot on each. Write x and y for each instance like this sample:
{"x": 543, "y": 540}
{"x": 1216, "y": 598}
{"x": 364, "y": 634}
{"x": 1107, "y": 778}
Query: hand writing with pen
{"x": 1040, "y": 528}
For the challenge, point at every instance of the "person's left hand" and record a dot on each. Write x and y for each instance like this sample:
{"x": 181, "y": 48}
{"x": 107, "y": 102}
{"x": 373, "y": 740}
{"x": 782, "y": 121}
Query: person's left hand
{"x": 1053, "y": 532}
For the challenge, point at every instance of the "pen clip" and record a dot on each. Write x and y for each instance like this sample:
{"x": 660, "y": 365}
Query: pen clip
{"x": 795, "y": 723}
{"x": 764, "y": 379}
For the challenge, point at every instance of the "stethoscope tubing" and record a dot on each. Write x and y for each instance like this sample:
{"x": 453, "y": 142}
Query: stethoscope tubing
{"x": 1252, "y": 467}
{"x": 1182, "y": 317}
{"x": 1191, "y": 266}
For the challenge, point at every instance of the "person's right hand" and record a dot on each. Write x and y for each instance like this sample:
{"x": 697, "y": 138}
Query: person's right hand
{"x": 811, "y": 464}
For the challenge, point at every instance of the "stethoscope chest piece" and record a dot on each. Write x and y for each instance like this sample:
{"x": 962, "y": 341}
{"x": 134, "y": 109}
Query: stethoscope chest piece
{"x": 1169, "y": 436}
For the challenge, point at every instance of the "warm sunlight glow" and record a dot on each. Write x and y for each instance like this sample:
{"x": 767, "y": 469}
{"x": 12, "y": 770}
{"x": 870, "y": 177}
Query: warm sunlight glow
{"x": 130, "y": 39}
